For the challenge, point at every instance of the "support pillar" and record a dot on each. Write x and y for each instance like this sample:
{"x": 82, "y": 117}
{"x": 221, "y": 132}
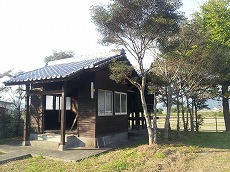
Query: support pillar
{"x": 26, "y": 133}
{"x": 62, "y": 145}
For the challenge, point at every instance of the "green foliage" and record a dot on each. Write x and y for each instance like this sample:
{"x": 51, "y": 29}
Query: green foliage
{"x": 159, "y": 111}
{"x": 57, "y": 55}
{"x": 216, "y": 20}
{"x": 159, "y": 154}
{"x": 136, "y": 23}
{"x": 10, "y": 126}
{"x": 120, "y": 71}
{"x": 174, "y": 109}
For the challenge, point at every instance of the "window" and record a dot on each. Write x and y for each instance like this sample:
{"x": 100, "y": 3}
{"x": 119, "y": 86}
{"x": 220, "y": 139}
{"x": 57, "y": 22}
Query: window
{"x": 105, "y": 102}
{"x": 120, "y": 103}
{"x": 58, "y": 103}
{"x": 50, "y": 103}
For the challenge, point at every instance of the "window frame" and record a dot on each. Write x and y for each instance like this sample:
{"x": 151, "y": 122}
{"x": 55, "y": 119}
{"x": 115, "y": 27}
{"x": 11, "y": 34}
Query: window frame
{"x": 120, "y": 102}
{"x": 55, "y": 103}
{"x": 49, "y": 102}
{"x": 59, "y": 99}
{"x": 106, "y": 113}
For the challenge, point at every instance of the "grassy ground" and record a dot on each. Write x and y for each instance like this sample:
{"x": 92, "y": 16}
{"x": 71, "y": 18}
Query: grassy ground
{"x": 186, "y": 151}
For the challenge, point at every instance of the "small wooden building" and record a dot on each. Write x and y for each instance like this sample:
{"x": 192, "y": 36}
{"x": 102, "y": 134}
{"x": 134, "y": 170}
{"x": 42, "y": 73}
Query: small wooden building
{"x": 76, "y": 99}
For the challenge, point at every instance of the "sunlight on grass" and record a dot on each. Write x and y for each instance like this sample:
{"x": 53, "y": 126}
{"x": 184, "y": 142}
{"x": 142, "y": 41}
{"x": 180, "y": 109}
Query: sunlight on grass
{"x": 159, "y": 154}
{"x": 182, "y": 153}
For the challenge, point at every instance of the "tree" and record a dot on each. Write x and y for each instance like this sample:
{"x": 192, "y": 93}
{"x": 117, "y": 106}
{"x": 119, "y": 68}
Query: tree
{"x": 6, "y": 73}
{"x": 57, "y": 55}
{"x": 17, "y": 97}
{"x": 182, "y": 65}
{"x": 137, "y": 25}
{"x": 215, "y": 20}
{"x": 167, "y": 68}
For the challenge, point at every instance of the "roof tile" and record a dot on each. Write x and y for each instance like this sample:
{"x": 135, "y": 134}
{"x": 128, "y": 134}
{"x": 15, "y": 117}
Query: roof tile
{"x": 64, "y": 68}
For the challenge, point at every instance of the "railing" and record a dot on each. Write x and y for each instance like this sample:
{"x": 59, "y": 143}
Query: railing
{"x": 206, "y": 123}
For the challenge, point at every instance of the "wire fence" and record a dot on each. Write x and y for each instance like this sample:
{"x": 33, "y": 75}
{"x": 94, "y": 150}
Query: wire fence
{"x": 11, "y": 129}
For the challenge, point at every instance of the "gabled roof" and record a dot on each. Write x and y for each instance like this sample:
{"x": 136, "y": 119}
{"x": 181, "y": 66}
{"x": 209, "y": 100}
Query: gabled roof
{"x": 65, "y": 68}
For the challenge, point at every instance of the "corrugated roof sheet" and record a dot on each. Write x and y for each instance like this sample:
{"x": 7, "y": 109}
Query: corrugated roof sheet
{"x": 65, "y": 68}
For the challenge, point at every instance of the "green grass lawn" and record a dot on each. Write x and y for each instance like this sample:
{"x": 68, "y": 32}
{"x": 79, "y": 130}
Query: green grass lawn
{"x": 186, "y": 151}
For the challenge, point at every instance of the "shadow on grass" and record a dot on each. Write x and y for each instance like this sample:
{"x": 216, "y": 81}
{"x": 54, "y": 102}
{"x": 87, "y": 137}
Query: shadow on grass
{"x": 218, "y": 140}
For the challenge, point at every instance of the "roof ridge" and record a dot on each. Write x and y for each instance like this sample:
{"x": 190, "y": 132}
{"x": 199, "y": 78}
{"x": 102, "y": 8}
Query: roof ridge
{"x": 87, "y": 57}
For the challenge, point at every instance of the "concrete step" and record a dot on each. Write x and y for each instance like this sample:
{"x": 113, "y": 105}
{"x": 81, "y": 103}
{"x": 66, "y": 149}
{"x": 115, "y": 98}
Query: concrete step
{"x": 45, "y": 144}
{"x": 13, "y": 156}
{"x": 48, "y": 137}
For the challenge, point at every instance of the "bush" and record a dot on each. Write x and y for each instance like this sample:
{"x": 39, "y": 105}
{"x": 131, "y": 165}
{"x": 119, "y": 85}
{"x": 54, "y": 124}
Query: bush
{"x": 9, "y": 124}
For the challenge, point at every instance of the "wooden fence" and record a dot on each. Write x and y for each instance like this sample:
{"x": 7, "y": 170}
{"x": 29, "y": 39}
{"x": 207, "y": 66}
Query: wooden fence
{"x": 137, "y": 121}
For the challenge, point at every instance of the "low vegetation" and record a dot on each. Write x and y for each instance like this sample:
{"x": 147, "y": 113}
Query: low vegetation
{"x": 186, "y": 151}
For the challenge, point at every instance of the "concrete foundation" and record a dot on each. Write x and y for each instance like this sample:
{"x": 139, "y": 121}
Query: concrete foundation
{"x": 74, "y": 141}
{"x": 61, "y": 147}
{"x": 26, "y": 143}
{"x": 111, "y": 139}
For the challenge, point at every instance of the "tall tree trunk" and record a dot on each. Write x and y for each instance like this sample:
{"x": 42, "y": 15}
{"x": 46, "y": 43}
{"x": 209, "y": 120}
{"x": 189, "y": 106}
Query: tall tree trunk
{"x": 187, "y": 111}
{"x": 191, "y": 110}
{"x": 155, "y": 118}
{"x": 226, "y": 107}
{"x": 196, "y": 116}
{"x": 183, "y": 117}
{"x": 147, "y": 116}
{"x": 169, "y": 106}
{"x": 178, "y": 115}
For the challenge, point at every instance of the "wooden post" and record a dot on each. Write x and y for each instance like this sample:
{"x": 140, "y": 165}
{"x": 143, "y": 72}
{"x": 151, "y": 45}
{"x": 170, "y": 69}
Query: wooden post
{"x": 43, "y": 112}
{"x": 142, "y": 120}
{"x": 63, "y": 118}
{"x": 132, "y": 120}
{"x": 137, "y": 117}
{"x": 26, "y": 134}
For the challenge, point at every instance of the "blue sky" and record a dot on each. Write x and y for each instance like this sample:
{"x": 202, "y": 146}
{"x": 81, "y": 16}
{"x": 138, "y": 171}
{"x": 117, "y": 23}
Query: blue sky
{"x": 31, "y": 29}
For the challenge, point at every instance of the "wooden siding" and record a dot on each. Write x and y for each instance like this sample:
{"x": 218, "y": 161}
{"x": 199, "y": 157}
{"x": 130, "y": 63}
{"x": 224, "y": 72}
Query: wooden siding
{"x": 107, "y": 125}
{"x": 102, "y": 81}
{"x": 86, "y": 105}
{"x": 88, "y": 123}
